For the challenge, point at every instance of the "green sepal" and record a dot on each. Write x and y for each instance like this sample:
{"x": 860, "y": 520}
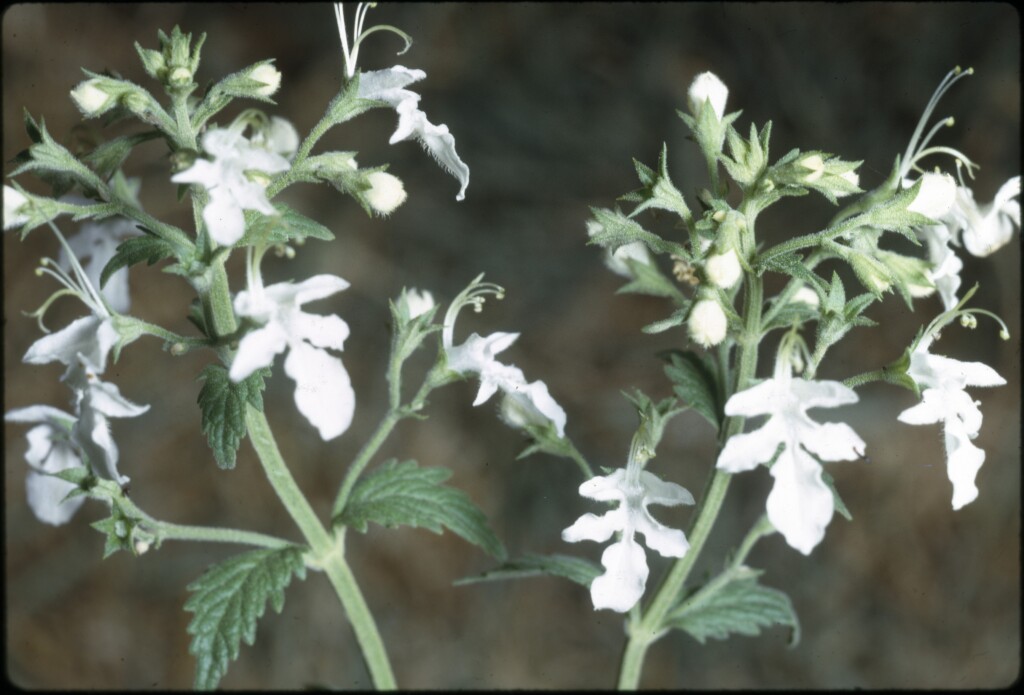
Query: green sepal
{"x": 223, "y": 404}
{"x": 108, "y": 157}
{"x": 118, "y": 529}
{"x": 694, "y": 383}
{"x": 678, "y": 318}
{"x": 229, "y": 599}
{"x": 653, "y": 418}
{"x": 403, "y": 494}
{"x": 838, "y": 503}
{"x": 648, "y": 280}
{"x": 618, "y": 230}
{"x": 575, "y": 569}
{"x": 53, "y": 163}
{"x": 733, "y": 603}
{"x": 657, "y": 191}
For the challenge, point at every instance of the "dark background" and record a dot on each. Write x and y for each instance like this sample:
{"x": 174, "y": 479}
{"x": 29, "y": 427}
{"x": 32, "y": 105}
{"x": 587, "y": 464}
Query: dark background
{"x": 548, "y": 103}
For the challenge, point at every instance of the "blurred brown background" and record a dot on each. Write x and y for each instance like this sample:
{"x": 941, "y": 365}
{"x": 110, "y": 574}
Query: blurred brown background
{"x": 548, "y": 103}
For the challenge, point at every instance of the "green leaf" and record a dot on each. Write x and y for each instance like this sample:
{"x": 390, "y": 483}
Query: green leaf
{"x": 647, "y": 279}
{"x": 287, "y": 226}
{"x": 575, "y": 569}
{"x": 146, "y": 248}
{"x": 693, "y": 380}
{"x": 403, "y": 494}
{"x": 678, "y": 318}
{"x": 734, "y": 603}
{"x": 222, "y": 403}
{"x": 228, "y": 600}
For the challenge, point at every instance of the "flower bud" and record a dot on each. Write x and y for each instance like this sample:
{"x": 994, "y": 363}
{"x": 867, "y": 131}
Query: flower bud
{"x": 180, "y": 77}
{"x": 90, "y": 99}
{"x": 935, "y": 197}
{"x": 707, "y": 87}
{"x": 871, "y": 273}
{"x": 724, "y": 269}
{"x": 815, "y": 165}
{"x": 807, "y": 296}
{"x": 14, "y": 200}
{"x": 269, "y": 76}
{"x": 707, "y": 323}
{"x": 386, "y": 192}
{"x": 416, "y": 302}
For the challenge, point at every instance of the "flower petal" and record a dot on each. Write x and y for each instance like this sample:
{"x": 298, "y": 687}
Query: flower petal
{"x": 963, "y": 460}
{"x": 931, "y": 409}
{"x": 257, "y": 349}
{"x": 223, "y": 217}
{"x": 757, "y": 400}
{"x": 833, "y": 441}
{"x": 323, "y": 390}
{"x": 605, "y": 488}
{"x": 668, "y": 542}
{"x": 743, "y": 452}
{"x": 625, "y": 577}
{"x": 89, "y": 336}
{"x": 322, "y": 331}
{"x": 46, "y": 498}
{"x": 800, "y": 505}
{"x": 591, "y": 527}
{"x": 821, "y": 394}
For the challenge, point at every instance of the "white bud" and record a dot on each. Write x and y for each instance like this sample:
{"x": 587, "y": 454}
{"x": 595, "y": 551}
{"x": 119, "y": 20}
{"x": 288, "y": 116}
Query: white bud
{"x": 724, "y": 269}
{"x": 90, "y": 99}
{"x": 707, "y": 86}
{"x": 269, "y": 76}
{"x": 13, "y": 202}
{"x": 816, "y": 165}
{"x": 386, "y": 192}
{"x": 936, "y": 196}
{"x": 807, "y": 296}
{"x": 707, "y": 323}
{"x": 180, "y": 77}
{"x": 417, "y": 303}
{"x": 281, "y": 137}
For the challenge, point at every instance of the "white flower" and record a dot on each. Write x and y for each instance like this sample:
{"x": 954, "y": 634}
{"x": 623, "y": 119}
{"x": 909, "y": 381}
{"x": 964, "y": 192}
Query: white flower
{"x": 90, "y": 337}
{"x": 935, "y": 197}
{"x": 946, "y": 265}
{"x": 815, "y": 166}
{"x": 723, "y": 270}
{"x": 389, "y": 86}
{"x": 707, "y": 323}
{"x": 625, "y": 562}
{"x": 800, "y": 505}
{"x": 943, "y": 398}
{"x": 230, "y": 189}
{"x": 14, "y": 200}
{"x": 269, "y": 76}
{"x": 323, "y": 390}
{"x": 90, "y": 99}
{"x": 988, "y": 227}
{"x": 94, "y": 245}
{"x": 386, "y": 192}
{"x": 96, "y": 402}
{"x": 476, "y": 355}
{"x": 50, "y": 450}
{"x": 706, "y": 86}
{"x": 616, "y": 261}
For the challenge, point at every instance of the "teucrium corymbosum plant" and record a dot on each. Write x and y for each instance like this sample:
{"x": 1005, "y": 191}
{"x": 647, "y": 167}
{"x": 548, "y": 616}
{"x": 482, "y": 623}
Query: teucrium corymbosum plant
{"x": 711, "y": 269}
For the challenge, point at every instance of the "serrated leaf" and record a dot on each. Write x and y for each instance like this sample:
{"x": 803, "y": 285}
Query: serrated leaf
{"x": 575, "y": 569}
{"x": 229, "y": 599}
{"x": 287, "y": 226}
{"x": 222, "y": 403}
{"x": 693, "y": 380}
{"x": 146, "y": 248}
{"x": 648, "y": 280}
{"x": 737, "y": 606}
{"x": 108, "y": 157}
{"x": 403, "y": 494}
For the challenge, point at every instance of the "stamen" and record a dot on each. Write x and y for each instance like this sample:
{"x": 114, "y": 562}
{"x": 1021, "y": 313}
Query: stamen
{"x": 475, "y": 294}
{"x": 948, "y": 81}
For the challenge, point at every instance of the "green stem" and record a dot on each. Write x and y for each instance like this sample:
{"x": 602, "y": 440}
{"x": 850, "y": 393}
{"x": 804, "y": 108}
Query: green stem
{"x": 165, "y": 530}
{"x": 324, "y": 550}
{"x": 807, "y": 240}
{"x": 650, "y": 628}
{"x": 363, "y": 458}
